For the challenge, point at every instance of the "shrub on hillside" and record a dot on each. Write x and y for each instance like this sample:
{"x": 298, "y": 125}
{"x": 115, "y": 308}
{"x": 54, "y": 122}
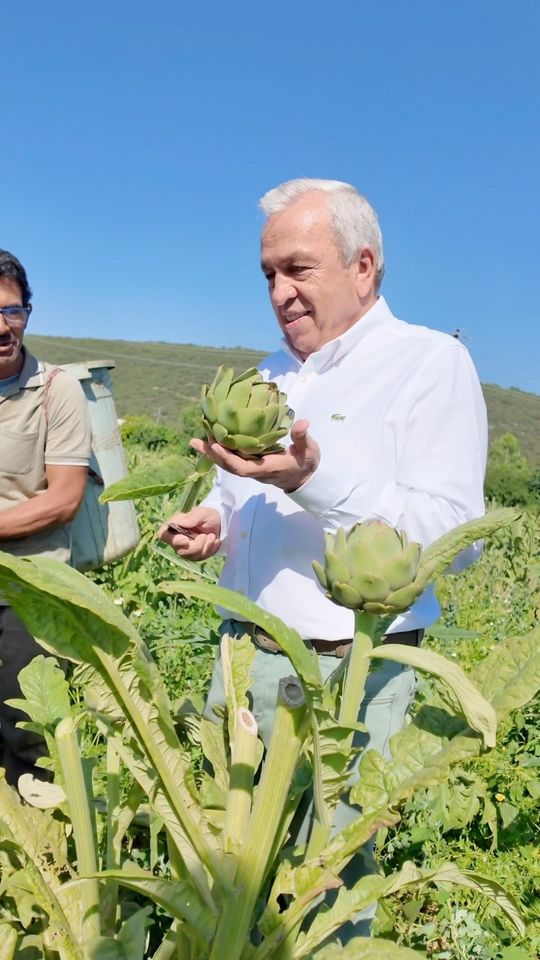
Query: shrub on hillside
{"x": 158, "y": 436}
{"x": 509, "y": 475}
{"x": 148, "y": 433}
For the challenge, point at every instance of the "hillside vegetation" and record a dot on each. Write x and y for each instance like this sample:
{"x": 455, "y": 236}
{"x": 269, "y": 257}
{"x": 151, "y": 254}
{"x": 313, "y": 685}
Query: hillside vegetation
{"x": 160, "y": 379}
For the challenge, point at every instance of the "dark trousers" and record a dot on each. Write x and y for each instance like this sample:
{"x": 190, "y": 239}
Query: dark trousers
{"x": 19, "y": 749}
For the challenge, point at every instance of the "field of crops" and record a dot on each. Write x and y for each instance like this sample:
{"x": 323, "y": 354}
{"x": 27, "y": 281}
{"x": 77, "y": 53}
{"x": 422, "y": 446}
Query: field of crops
{"x": 159, "y": 380}
{"x": 483, "y": 816}
{"x": 487, "y": 817}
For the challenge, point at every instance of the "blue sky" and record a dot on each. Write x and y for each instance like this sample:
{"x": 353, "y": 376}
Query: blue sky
{"x": 137, "y": 139}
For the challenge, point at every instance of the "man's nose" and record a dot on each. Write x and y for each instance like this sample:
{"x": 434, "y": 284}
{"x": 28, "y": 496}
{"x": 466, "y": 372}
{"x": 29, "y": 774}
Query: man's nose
{"x": 4, "y": 324}
{"x": 283, "y": 289}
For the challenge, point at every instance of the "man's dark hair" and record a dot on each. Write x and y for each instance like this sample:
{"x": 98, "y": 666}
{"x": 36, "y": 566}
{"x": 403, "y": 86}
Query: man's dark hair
{"x": 12, "y": 269}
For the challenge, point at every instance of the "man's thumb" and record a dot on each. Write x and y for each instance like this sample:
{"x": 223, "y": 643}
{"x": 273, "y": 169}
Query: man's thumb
{"x": 299, "y": 434}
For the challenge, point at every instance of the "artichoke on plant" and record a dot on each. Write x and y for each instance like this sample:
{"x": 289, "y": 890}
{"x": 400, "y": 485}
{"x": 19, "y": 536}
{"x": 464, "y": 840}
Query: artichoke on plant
{"x": 371, "y": 567}
{"x": 245, "y": 413}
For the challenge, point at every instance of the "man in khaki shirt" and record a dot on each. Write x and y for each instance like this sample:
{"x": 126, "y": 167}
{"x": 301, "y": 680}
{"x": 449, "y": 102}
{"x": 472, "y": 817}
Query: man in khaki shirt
{"x": 44, "y": 456}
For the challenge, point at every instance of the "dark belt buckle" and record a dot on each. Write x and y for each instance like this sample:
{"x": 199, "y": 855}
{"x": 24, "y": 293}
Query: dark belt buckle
{"x": 264, "y": 642}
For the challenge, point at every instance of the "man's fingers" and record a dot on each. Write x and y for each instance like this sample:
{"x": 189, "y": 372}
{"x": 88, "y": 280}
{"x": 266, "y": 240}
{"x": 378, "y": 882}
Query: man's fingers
{"x": 299, "y": 435}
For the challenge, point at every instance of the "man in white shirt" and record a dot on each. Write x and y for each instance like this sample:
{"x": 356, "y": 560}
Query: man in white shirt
{"x": 391, "y": 423}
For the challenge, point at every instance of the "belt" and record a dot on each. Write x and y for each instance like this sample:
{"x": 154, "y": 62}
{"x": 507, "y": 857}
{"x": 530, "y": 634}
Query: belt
{"x": 332, "y": 648}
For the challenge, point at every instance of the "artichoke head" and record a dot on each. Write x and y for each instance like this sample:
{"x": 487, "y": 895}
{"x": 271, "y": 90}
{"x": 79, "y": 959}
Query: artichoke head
{"x": 244, "y": 413}
{"x": 371, "y": 567}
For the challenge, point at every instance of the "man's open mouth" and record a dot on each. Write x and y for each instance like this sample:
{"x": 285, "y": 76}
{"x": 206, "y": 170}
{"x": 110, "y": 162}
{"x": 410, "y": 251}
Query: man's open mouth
{"x": 293, "y": 317}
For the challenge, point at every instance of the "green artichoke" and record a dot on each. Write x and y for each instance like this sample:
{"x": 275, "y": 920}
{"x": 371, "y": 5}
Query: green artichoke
{"x": 244, "y": 413}
{"x": 371, "y": 567}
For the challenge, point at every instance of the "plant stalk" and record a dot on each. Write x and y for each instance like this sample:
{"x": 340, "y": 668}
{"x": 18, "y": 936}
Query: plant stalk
{"x": 79, "y": 810}
{"x": 112, "y": 858}
{"x": 358, "y": 667}
{"x": 290, "y": 730}
{"x": 240, "y": 794}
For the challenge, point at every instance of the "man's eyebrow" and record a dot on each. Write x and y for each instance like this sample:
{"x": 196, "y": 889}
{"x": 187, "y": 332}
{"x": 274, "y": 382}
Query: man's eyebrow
{"x": 297, "y": 256}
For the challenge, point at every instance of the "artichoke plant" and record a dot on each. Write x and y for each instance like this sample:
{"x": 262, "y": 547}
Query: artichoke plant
{"x": 371, "y": 568}
{"x": 244, "y": 413}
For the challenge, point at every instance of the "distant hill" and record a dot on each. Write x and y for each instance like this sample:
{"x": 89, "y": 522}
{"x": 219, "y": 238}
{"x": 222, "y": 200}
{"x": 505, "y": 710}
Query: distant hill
{"x": 159, "y": 379}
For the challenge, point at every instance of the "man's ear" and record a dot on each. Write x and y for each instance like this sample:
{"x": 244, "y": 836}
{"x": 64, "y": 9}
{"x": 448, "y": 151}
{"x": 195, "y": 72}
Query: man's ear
{"x": 366, "y": 275}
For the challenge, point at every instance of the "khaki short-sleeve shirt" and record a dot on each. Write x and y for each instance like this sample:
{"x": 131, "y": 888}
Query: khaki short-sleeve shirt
{"x": 32, "y": 437}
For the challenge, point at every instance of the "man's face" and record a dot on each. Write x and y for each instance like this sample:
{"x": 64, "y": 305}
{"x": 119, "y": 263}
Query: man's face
{"x": 314, "y": 295}
{"x": 11, "y": 336}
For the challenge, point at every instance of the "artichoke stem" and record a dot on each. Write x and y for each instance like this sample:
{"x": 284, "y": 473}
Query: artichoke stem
{"x": 357, "y": 669}
{"x": 291, "y": 727}
{"x": 240, "y": 795}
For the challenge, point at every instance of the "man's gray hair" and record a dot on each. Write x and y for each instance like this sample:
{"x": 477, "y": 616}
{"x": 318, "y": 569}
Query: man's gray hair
{"x": 353, "y": 219}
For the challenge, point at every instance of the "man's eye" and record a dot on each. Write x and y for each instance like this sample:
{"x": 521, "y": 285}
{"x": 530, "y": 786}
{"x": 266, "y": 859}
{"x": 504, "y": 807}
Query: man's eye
{"x": 298, "y": 268}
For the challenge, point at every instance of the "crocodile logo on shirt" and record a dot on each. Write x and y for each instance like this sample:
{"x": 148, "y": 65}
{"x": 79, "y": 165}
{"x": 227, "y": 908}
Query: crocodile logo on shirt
{"x": 337, "y": 416}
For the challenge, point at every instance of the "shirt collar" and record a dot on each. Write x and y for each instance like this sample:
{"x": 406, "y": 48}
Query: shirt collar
{"x": 33, "y": 371}
{"x": 334, "y": 350}
{"x": 32, "y": 374}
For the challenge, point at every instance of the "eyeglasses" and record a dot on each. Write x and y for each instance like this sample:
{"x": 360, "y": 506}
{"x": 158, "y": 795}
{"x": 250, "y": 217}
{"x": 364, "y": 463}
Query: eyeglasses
{"x": 16, "y": 316}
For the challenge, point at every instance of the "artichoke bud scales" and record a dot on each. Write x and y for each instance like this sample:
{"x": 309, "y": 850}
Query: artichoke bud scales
{"x": 245, "y": 413}
{"x": 371, "y": 567}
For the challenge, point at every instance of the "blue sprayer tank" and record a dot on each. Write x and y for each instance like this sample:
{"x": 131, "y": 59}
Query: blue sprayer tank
{"x": 102, "y": 532}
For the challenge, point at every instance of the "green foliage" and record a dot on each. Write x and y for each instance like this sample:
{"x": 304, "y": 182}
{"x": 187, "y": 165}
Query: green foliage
{"x": 149, "y": 434}
{"x": 510, "y": 479}
{"x": 486, "y": 816}
{"x": 223, "y": 833}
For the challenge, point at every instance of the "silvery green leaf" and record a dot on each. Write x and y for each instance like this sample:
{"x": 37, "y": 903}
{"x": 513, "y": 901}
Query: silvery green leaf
{"x": 479, "y": 713}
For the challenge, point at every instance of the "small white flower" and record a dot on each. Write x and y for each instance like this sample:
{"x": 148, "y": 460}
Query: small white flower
{"x": 118, "y": 601}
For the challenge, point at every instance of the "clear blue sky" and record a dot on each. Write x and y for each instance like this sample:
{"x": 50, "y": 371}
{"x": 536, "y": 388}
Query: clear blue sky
{"x": 137, "y": 139}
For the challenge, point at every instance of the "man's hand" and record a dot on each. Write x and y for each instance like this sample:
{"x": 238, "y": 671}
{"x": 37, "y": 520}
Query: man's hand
{"x": 202, "y": 541}
{"x": 287, "y": 470}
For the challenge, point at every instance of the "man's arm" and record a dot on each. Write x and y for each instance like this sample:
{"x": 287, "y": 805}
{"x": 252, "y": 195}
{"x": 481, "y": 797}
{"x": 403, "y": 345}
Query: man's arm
{"x": 58, "y": 504}
{"x": 441, "y": 446}
{"x": 440, "y": 459}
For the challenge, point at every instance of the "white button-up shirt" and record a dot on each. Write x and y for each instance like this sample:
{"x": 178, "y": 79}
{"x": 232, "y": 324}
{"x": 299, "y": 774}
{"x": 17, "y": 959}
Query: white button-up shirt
{"x": 399, "y": 416}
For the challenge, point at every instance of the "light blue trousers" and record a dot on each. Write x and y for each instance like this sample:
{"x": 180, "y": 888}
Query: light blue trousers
{"x": 389, "y": 694}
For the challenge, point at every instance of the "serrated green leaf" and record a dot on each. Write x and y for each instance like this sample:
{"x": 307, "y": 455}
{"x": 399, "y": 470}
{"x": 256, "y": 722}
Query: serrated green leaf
{"x": 510, "y": 674}
{"x": 213, "y": 745}
{"x": 149, "y": 480}
{"x": 71, "y": 615}
{"x": 304, "y": 661}
{"x": 449, "y": 874}
{"x": 45, "y": 690}
{"x": 328, "y": 920}
{"x": 175, "y": 896}
{"x": 440, "y": 554}
{"x": 67, "y": 612}
{"x": 479, "y": 713}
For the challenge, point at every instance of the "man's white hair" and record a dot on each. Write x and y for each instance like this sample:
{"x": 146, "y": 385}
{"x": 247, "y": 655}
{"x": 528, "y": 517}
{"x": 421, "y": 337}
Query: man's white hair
{"x": 353, "y": 219}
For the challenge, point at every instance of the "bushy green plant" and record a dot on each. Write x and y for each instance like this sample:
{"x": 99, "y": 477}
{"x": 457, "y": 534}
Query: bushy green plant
{"x": 149, "y": 434}
{"x": 224, "y": 876}
{"x": 487, "y": 816}
{"x": 509, "y": 475}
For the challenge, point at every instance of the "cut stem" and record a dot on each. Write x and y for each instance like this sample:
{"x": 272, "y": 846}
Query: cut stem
{"x": 240, "y": 794}
{"x": 288, "y": 736}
